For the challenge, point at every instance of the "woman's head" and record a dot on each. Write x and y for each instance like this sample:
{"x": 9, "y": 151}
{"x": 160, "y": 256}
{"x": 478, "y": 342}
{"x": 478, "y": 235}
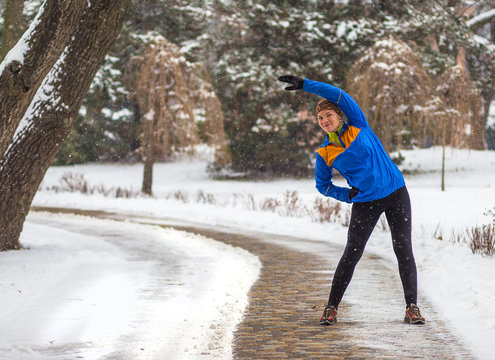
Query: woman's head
{"x": 325, "y": 104}
{"x": 329, "y": 115}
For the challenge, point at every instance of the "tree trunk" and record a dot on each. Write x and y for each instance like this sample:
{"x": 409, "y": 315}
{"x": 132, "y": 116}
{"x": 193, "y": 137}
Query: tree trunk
{"x": 13, "y": 25}
{"x": 25, "y": 67}
{"x": 53, "y": 112}
{"x": 444, "y": 141}
{"x": 488, "y": 93}
{"x": 148, "y": 154}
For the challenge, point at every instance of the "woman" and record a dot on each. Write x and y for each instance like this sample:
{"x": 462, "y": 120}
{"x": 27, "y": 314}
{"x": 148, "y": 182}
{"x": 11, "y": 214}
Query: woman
{"x": 377, "y": 186}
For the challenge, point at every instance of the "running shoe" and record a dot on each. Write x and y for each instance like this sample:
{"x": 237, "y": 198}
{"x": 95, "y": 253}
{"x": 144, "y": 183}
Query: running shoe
{"x": 413, "y": 315}
{"x": 329, "y": 316}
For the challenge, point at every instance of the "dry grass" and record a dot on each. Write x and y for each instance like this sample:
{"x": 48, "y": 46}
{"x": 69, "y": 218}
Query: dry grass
{"x": 326, "y": 210}
{"x": 482, "y": 240}
{"x": 289, "y": 204}
{"x": 70, "y": 182}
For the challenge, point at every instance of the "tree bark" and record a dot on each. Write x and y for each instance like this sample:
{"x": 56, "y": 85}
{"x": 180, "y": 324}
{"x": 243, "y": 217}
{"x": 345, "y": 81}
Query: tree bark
{"x": 53, "y": 113}
{"x": 148, "y": 155}
{"x": 25, "y": 67}
{"x": 13, "y": 25}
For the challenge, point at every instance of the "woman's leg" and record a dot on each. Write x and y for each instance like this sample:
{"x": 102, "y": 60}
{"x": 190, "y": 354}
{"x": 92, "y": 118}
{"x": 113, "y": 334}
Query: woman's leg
{"x": 364, "y": 217}
{"x": 398, "y": 212}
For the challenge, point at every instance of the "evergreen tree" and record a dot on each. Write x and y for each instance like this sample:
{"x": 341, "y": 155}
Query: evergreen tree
{"x": 268, "y": 134}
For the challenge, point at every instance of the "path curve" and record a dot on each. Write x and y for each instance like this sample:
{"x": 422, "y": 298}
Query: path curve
{"x": 282, "y": 319}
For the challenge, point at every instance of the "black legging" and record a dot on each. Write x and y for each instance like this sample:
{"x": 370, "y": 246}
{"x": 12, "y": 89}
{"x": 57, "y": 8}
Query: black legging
{"x": 364, "y": 216}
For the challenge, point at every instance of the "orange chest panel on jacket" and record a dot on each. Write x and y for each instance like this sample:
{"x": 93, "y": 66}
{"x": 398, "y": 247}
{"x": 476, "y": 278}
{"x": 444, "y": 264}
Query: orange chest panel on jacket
{"x": 331, "y": 150}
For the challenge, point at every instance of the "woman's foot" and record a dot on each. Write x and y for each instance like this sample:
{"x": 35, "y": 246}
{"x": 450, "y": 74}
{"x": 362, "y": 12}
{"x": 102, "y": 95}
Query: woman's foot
{"x": 329, "y": 316}
{"x": 413, "y": 315}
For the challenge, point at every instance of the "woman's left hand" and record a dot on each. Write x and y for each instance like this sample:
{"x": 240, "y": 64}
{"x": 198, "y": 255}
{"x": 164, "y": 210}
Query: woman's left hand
{"x": 353, "y": 192}
{"x": 297, "y": 83}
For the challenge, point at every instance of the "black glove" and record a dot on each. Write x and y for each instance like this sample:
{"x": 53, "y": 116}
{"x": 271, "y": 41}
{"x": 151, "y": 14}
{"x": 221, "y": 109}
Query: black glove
{"x": 354, "y": 191}
{"x": 297, "y": 83}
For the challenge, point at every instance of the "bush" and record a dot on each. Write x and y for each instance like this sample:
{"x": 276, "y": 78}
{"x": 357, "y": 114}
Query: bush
{"x": 482, "y": 239}
{"x": 70, "y": 182}
{"x": 326, "y": 210}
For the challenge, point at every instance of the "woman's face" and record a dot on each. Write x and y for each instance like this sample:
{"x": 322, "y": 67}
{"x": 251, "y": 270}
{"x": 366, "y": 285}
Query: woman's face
{"x": 329, "y": 120}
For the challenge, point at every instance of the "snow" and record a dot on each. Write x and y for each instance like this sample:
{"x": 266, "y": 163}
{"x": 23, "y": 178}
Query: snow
{"x": 47, "y": 94}
{"x": 480, "y": 17}
{"x": 452, "y": 278}
{"x": 491, "y": 116}
{"x": 19, "y": 50}
{"x": 76, "y": 286}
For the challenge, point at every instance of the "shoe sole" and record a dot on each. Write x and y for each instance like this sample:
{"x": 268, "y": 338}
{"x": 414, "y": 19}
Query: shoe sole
{"x": 414, "y": 322}
{"x": 328, "y": 322}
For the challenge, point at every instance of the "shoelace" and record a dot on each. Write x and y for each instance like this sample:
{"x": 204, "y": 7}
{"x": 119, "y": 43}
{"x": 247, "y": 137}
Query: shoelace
{"x": 415, "y": 311}
{"x": 328, "y": 312}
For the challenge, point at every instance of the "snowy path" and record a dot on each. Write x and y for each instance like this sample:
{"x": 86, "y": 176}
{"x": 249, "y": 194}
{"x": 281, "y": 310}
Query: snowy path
{"x": 285, "y": 304}
{"x": 100, "y": 289}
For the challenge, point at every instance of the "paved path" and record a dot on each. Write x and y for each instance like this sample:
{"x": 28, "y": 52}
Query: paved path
{"x": 282, "y": 319}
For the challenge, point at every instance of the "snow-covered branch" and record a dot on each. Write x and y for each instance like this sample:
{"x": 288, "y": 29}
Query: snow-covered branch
{"x": 481, "y": 19}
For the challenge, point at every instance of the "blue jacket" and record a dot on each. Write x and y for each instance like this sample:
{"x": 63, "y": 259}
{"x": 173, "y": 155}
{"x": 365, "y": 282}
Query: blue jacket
{"x": 363, "y": 161}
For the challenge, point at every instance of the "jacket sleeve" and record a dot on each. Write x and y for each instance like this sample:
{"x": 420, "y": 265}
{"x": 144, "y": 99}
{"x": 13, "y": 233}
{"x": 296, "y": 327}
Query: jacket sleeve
{"x": 323, "y": 177}
{"x": 341, "y": 98}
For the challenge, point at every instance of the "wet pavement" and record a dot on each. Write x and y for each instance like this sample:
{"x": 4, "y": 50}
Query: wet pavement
{"x": 286, "y": 302}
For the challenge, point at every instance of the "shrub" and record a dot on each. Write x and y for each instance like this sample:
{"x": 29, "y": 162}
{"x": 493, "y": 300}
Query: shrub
{"x": 482, "y": 239}
{"x": 73, "y": 183}
{"x": 270, "y": 204}
{"x": 326, "y": 210}
{"x": 291, "y": 202}
{"x": 70, "y": 182}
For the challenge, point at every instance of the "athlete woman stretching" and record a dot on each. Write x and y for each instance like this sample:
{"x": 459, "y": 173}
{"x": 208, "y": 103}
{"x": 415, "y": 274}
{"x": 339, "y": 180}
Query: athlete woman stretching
{"x": 377, "y": 186}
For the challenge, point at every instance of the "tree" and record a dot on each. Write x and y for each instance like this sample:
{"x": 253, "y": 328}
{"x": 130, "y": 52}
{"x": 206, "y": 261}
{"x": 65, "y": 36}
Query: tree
{"x": 246, "y": 45}
{"x": 27, "y": 64}
{"x": 43, "y": 84}
{"x": 110, "y": 118}
{"x": 266, "y": 39}
{"x": 13, "y": 25}
{"x": 175, "y": 95}
{"x": 482, "y": 52}
{"x": 396, "y": 94}
{"x": 465, "y": 127}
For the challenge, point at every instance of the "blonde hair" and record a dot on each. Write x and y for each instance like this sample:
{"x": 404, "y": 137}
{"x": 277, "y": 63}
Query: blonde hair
{"x": 325, "y": 104}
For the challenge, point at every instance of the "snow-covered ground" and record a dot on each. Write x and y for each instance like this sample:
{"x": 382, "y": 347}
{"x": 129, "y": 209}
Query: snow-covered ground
{"x": 104, "y": 289}
{"x": 460, "y": 284}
